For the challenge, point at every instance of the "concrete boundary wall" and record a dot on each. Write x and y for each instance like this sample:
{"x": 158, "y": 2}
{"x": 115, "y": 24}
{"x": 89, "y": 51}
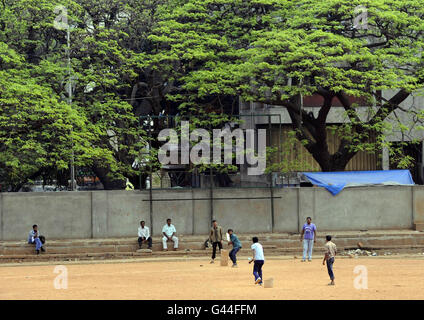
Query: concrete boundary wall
{"x": 418, "y": 207}
{"x": 103, "y": 214}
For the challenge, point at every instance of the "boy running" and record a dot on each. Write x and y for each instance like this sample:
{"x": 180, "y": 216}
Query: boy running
{"x": 236, "y": 247}
{"x": 330, "y": 253}
{"x": 258, "y": 259}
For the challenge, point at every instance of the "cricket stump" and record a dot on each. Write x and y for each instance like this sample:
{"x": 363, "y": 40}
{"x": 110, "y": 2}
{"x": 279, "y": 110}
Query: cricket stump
{"x": 224, "y": 258}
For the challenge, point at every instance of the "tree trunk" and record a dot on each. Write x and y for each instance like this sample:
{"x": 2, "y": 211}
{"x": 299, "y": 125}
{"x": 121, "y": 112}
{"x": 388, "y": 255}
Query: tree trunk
{"x": 18, "y": 186}
{"x": 332, "y": 162}
{"x": 108, "y": 182}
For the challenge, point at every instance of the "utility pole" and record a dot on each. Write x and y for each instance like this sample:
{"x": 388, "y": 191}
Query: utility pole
{"x": 70, "y": 104}
{"x": 150, "y": 175}
{"x": 61, "y": 23}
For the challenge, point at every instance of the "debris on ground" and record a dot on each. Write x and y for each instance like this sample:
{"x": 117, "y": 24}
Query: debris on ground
{"x": 360, "y": 252}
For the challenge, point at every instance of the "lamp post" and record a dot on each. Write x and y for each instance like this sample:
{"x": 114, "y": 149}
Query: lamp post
{"x": 73, "y": 187}
{"x": 143, "y": 163}
{"x": 61, "y": 23}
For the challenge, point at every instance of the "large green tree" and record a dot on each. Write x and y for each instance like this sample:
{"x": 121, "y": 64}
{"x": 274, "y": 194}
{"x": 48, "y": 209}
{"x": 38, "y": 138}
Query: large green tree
{"x": 107, "y": 60}
{"x": 277, "y": 51}
{"x": 38, "y": 132}
{"x": 195, "y": 58}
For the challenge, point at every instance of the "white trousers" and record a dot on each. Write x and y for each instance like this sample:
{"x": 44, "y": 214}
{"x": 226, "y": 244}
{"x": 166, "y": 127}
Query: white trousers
{"x": 174, "y": 239}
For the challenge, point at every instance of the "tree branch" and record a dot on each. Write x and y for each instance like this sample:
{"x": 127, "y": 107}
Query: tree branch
{"x": 390, "y": 106}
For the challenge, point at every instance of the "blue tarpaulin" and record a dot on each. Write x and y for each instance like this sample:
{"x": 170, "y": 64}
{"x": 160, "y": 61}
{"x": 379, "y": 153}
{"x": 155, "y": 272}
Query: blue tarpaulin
{"x": 336, "y": 181}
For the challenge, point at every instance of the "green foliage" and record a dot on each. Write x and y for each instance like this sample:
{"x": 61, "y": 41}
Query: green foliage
{"x": 35, "y": 126}
{"x": 100, "y": 126}
{"x": 277, "y": 51}
{"x": 196, "y": 58}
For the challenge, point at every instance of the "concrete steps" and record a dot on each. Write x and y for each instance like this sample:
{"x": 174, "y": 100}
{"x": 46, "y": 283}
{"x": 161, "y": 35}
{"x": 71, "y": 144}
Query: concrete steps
{"x": 183, "y": 253}
{"x": 396, "y": 241}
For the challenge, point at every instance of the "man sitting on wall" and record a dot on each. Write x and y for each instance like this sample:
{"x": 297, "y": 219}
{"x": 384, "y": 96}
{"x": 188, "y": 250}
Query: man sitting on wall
{"x": 34, "y": 237}
{"x": 144, "y": 235}
{"x": 169, "y": 232}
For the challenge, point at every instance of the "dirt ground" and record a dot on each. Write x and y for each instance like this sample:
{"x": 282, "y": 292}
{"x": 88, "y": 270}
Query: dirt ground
{"x": 197, "y": 279}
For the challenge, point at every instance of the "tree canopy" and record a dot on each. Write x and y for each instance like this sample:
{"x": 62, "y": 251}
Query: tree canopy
{"x": 278, "y": 51}
{"x": 196, "y": 58}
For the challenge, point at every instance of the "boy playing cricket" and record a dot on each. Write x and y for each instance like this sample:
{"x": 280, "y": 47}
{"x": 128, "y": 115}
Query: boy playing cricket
{"x": 236, "y": 247}
{"x": 258, "y": 259}
{"x": 330, "y": 253}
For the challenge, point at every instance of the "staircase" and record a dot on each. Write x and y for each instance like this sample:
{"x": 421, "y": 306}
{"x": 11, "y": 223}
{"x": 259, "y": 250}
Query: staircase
{"x": 275, "y": 244}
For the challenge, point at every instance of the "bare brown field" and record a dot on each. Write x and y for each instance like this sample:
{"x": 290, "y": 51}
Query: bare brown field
{"x": 394, "y": 278}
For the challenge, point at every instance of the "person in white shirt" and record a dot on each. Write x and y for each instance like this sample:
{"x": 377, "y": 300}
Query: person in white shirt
{"x": 258, "y": 259}
{"x": 144, "y": 235}
{"x": 169, "y": 232}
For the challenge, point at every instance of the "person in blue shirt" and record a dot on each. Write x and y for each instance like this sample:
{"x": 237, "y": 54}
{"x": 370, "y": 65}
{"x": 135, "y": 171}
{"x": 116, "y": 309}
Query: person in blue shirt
{"x": 236, "y": 247}
{"x": 35, "y": 238}
{"x": 308, "y": 236}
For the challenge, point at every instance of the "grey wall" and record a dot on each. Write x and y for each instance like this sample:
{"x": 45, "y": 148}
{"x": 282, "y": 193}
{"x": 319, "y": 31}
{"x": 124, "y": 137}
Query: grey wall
{"x": 358, "y": 208}
{"x": 60, "y": 215}
{"x": 118, "y": 213}
{"x": 286, "y": 209}
{"x": 418, "y": 206}
{"x": 251, "y": 213}
{"x": 103, "y": 214}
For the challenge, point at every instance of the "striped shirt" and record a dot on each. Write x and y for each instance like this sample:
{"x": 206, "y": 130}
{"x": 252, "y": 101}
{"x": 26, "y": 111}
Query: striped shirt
{"x": 330, "y": 249}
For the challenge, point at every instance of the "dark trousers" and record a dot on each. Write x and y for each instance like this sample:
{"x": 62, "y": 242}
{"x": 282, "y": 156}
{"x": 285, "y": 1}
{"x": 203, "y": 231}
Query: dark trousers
{"x": 141, "y": 239}
{"x": 233, "y": 254}
{"x": 214, "y": 244}
{"x": 257, "y": 269}
{"x": 330, "y": 263}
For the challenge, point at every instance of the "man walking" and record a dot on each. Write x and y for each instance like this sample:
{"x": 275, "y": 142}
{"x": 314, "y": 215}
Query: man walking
{"x": 330, "y": 254}
{"x": 144, "y": 235}
{"x": 169, "y": 232}
{"x": 34, "y": 237}
{"x": 309, "y": 233}
{"x": 215, "y": 237}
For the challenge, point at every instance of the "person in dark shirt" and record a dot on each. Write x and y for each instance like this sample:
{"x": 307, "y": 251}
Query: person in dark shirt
{"x": 236, "y": 247}
{"x": 215, "y": 237}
